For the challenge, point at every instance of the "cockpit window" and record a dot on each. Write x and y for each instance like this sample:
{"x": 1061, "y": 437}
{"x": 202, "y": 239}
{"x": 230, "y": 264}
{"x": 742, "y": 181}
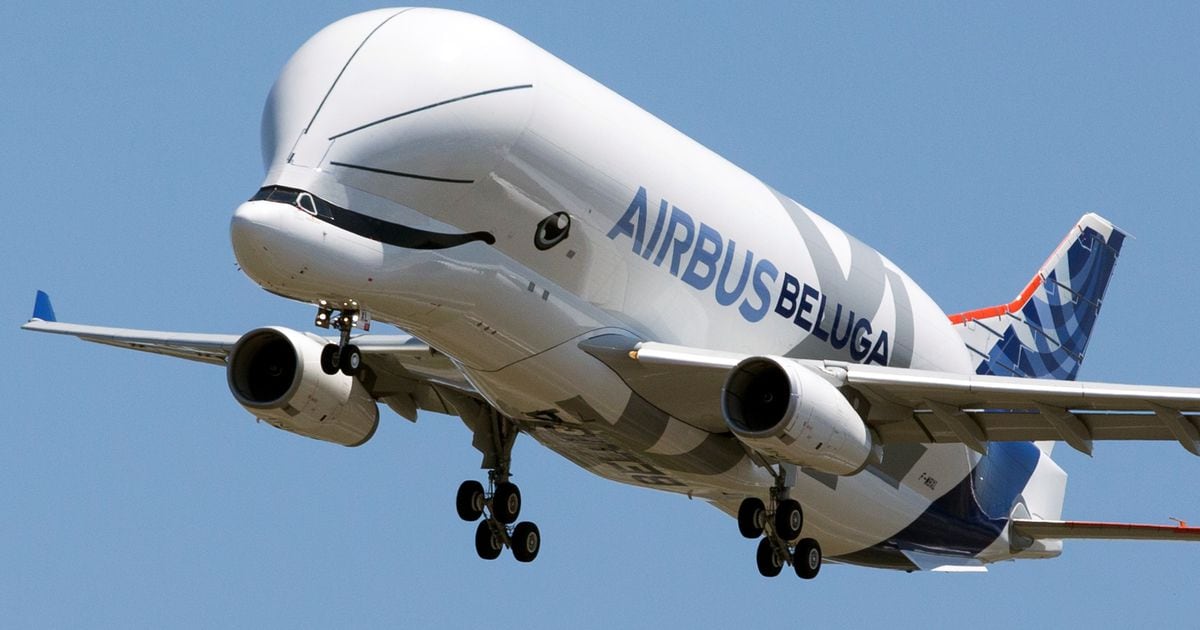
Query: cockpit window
{"x": 305, "y": 201}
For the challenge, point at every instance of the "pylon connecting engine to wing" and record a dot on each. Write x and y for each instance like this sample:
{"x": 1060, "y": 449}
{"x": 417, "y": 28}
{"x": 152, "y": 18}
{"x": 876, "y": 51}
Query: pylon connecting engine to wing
{"x": 788, "y": 412}
{"x": 275, "y": 373}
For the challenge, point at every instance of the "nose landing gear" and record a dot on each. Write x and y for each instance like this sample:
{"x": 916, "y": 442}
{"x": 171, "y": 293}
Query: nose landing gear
{"x": 343, "y": 356}
{"x": 778, "y": 525}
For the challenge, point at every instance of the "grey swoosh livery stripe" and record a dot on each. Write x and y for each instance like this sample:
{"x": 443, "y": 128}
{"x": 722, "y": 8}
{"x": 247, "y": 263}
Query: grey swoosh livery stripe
{"x": 862, "y": 291}
{"x": 902, "y": 345}
{"x": 898, "y": 460}
{"x": 640, "y": 427}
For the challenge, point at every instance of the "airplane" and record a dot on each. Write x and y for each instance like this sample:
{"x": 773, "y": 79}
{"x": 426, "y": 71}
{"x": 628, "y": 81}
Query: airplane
{"x": 568, "y": 267}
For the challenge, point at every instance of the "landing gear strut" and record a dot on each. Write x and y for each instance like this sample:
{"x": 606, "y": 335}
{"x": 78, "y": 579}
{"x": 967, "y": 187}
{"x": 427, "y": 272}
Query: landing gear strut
{"x": 500, "y": 504}
{"x": 779, "y": 524}
{"x": 342, "y": 356}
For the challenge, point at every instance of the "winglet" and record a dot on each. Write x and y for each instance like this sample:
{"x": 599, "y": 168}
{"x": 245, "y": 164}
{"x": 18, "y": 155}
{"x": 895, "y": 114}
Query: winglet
{"x": 42, "y": 309}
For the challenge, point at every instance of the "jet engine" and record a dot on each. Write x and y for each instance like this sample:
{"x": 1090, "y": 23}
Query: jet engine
{"x": 784, "y": 410}
{"x": 275, "y": 373}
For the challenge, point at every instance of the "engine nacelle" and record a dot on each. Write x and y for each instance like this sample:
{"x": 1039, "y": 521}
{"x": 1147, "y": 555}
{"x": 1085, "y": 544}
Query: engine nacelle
{"x": 788, "y": 412}
{"x": 275, "y": 373}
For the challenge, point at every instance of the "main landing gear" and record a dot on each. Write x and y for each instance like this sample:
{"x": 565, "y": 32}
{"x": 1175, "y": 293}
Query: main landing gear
{"x": 779, "y": 525}
{"x": 499, "y": 507}
{"x": 343, "y": 356}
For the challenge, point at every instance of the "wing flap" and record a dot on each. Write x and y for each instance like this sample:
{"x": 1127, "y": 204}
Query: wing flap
{"x": 1023, "y": 426}
{"x": 1018, "y": 409}
{"x": 911, "y": 387}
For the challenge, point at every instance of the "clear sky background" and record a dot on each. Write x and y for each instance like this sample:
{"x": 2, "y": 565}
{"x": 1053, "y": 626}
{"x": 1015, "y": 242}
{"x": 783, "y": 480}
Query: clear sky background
{"x": 961, "y": 141}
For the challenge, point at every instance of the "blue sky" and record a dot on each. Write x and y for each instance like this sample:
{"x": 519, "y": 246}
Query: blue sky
{"x": 961, "y": 141}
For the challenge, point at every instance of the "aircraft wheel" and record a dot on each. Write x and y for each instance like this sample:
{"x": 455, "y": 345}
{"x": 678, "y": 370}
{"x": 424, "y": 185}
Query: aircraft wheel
{"x": 487, "y": 543}
{"x": 807, "y": 558}
{"x": 469, "y": 501}
{"x": 506, "y": 503}
{"x": 770, "y": 563}
{"x": 526, "y": 541}
{"x": 789, "y": 519}
{"x": 752, "y": 515}
{"x": 329, "y": 359}
{"x": 350, "y": 360}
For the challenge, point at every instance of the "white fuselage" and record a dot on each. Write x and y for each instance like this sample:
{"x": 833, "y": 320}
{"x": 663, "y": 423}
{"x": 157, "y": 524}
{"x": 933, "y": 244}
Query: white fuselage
{"x": 447, "y": 123}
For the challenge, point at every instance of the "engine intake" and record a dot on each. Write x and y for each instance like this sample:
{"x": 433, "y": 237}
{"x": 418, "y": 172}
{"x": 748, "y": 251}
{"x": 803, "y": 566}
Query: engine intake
{"x": 787, "y": 411}
{"x": 275, "y": 373}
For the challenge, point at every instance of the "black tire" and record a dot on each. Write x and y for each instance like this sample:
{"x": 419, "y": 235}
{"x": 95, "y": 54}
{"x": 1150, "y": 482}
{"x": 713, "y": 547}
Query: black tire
{"x": 789, "y": 519}
{"x": 752, "y": 515}
{"x": 807, "y": 558}
{"x": 350, "y": 360}
{"x": 329, "y": 359}
{"x": 469, "y": 501}
{"x": 770, "y": 563}
{"x": 526, "y": 541}
{"x": 506, "y": 503}
{"x": 487, "y": 544}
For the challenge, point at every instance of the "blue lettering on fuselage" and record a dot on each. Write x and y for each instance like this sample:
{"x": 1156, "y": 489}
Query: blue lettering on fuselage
{"x": 735, "y": 275}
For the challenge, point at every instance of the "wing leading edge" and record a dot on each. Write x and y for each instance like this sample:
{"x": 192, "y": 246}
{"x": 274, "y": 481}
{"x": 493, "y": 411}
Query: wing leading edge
{"x": 405, "y": 372}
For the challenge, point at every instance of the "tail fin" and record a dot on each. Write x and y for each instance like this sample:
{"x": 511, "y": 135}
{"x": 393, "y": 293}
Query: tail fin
{"x": 1043, "y": 332}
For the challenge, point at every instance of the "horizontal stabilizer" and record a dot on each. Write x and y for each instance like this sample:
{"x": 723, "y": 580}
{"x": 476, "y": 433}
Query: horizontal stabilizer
{"x": 1104, "y": 531}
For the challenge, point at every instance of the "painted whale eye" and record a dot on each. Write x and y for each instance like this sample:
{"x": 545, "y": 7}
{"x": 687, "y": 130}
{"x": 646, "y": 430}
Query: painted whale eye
{"x": 552, "y": 230}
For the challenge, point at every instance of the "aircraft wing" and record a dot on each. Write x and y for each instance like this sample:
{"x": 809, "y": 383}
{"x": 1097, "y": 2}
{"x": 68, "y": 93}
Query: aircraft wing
{"x": 916, "y": 406}
{"x": 205, "y": 348}
{"x": 404, "y": 372}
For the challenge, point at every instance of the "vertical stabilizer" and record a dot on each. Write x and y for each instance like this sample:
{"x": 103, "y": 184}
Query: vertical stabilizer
{"x": 1044, "y": 332}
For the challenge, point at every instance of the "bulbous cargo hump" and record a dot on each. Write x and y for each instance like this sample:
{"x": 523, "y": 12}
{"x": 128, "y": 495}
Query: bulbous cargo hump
{"x": 435, "y": 94}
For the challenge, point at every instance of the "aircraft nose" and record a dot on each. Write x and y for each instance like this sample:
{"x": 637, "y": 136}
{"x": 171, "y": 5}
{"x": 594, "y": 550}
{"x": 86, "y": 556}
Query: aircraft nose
{"x": 254, "y": 213}
{"x": 255, "y": 224}
{"x": 250, "y": 220}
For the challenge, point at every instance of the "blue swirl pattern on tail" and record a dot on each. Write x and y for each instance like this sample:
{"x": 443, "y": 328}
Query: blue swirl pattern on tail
{"x": 1044, "y": 332}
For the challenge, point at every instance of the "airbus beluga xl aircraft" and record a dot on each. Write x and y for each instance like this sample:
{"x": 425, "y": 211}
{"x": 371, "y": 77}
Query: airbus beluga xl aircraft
{"x": 570, "y": 268}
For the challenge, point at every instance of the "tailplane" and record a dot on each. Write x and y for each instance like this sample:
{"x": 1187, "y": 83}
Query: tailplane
{"x": 1044, "y": 332}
